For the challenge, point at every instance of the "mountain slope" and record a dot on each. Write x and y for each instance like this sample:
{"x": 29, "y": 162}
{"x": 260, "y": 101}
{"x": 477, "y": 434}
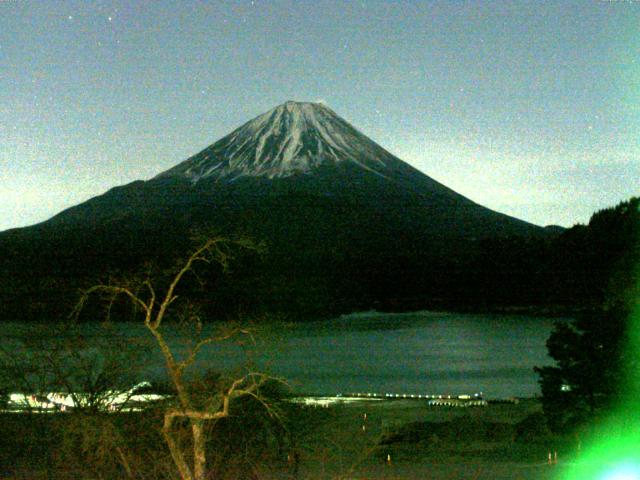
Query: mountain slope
{"x": 343, "y": 218}
{"x": 300, "y": 149}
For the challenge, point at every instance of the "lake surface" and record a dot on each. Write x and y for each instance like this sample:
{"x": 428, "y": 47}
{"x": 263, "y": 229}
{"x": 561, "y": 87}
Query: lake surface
{"x": 417, "y": 353}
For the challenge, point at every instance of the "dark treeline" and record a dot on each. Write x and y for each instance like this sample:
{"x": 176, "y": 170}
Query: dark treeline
{"x": 566, "y": 270}
{"x": 584, "y": 267}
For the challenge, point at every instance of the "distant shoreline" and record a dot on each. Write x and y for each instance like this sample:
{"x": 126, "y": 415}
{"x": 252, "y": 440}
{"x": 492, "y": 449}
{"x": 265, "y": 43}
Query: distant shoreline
{"x": 524, "y": 311}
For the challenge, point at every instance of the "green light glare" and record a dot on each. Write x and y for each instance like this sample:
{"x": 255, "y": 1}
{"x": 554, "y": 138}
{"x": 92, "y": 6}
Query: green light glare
{"x": 624, "y": 471}
{"x": 613, "y": 453}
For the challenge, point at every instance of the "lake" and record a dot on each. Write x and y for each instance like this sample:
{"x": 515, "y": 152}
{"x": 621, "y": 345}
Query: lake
{"x": 414, "y": 353}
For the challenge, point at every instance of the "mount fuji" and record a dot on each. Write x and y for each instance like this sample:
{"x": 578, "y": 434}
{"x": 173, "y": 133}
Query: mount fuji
{"x": 293, "y": 138}
{"x": 342, "y": 217}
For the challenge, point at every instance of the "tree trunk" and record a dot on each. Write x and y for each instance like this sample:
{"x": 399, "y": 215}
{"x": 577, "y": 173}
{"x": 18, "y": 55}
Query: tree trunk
{"x": 176, "y": 451}
{"x": 199, "y": 449}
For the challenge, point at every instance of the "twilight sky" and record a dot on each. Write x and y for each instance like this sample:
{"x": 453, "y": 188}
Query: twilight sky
{"x": 531, "y": 108}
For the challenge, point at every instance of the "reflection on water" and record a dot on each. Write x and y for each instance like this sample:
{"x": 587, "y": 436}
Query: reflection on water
{"x": 422, "y": 353}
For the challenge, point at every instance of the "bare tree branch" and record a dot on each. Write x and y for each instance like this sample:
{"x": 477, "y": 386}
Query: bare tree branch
{"x": 212, "y": 250}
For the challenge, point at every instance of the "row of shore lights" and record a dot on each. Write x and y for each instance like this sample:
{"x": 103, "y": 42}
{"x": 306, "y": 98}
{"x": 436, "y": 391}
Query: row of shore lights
{"x": 407, "y": 395}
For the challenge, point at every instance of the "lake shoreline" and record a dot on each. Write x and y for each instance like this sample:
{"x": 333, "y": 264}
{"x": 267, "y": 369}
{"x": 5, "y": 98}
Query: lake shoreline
{"x": 541, "y": 311}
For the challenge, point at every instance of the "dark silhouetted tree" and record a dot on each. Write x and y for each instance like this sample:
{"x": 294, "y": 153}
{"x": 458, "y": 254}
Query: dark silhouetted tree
{"x": 591, "y": 360}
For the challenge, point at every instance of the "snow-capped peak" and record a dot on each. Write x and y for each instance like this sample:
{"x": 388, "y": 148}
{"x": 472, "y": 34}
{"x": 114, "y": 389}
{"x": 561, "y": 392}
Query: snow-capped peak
{"x": 292, "y": 138}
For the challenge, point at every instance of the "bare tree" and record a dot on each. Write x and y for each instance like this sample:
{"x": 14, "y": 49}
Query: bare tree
{"x": 189, "y": 406}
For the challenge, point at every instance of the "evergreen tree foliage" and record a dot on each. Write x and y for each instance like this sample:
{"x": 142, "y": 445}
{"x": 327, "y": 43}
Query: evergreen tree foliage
{"x": 592, "y": 353}
{"x": 589, "y": 373}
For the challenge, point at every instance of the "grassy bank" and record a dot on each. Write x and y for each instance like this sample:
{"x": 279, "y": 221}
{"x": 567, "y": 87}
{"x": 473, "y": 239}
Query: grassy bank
{"x": 408, "y": 439}
{"x": 368, "y": 439}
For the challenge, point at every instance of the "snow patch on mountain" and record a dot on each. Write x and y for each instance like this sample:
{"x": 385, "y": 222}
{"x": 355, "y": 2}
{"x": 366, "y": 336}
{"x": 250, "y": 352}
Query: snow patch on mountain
{"x": 293, "y": 138}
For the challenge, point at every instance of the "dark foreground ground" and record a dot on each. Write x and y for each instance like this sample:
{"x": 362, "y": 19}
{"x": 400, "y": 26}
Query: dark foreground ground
{"x": 401, "y": 439}
{"x": 408, "y": 440}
